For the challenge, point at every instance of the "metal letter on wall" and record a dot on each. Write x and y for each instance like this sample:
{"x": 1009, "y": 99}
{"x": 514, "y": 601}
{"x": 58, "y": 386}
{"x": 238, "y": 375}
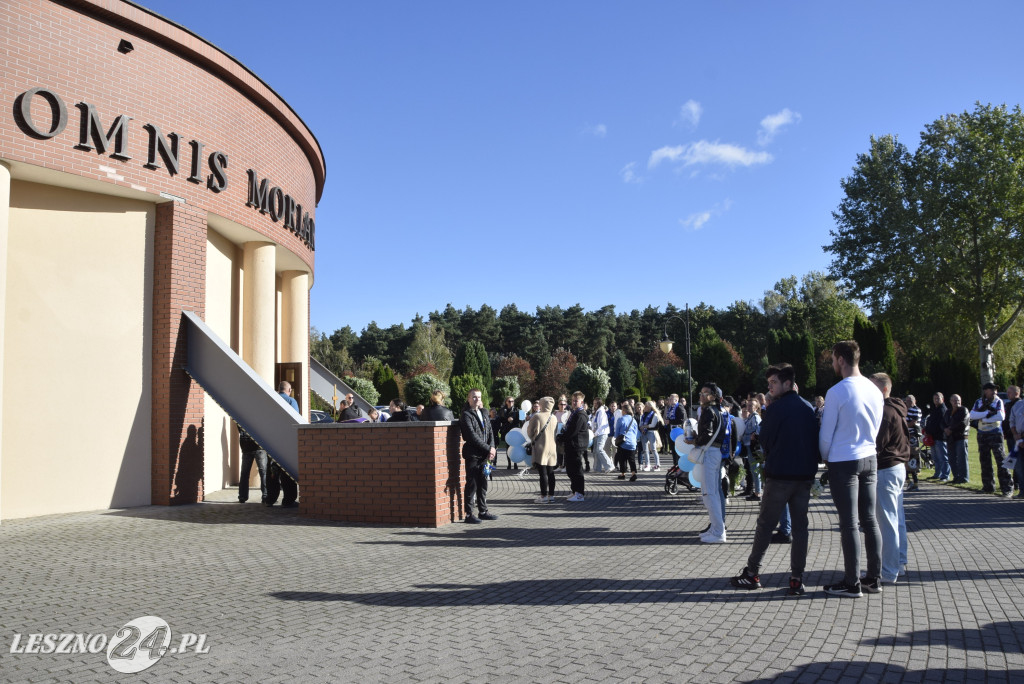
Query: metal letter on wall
{"x": 23, "y": 113}
{"x": 92, "y": 133}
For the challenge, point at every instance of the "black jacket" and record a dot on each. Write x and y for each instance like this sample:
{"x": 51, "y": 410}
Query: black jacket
{"x": 959, "y": 424}
{"x": 437, "y": 412}
{"x": 479, "y": 438}
{"x": 576, "y": 434}
{"x": 789, "y": 437}
{"x": 936, "y": 422}
{"x": 506, "y": 412}
{"x": 351, "y": 413}
{"x": 406, "y": 416}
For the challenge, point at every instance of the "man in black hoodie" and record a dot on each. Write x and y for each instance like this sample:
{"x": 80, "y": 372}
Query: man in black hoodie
{"x": 789, "y": 437}
{"x": 893, "y": 445}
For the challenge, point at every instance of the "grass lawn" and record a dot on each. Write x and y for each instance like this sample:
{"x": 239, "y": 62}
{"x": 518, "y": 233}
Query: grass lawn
{"x": 974, "y": 468}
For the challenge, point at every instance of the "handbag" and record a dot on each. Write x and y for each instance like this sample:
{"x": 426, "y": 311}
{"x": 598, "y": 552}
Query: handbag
{"x": 529, "y": 445}
{"x": 697, "y": 454}
{"x": 622, "y": 438}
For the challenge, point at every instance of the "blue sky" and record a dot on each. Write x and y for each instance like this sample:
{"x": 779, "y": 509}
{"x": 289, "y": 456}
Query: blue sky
{"x": 625, "y": 153}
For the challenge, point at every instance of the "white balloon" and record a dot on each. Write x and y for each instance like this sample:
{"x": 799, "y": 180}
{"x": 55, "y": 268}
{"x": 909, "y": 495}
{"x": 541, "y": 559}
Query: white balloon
{"x": 682, "y": 448}
{"x": 526, "y": 405}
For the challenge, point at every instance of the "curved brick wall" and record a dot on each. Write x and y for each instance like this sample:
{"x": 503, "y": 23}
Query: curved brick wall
{"x": 172, "y": 80}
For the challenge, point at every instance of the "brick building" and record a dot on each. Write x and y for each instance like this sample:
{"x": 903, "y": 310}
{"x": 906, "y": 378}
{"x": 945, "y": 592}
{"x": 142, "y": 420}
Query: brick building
{"x": 143, "y": 172}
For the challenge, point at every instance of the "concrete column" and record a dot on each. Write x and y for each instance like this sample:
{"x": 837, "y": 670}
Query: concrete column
{"x": 258, "y": 308}
{"x": 5, "y": 217}
{"x": 295, "y": 323}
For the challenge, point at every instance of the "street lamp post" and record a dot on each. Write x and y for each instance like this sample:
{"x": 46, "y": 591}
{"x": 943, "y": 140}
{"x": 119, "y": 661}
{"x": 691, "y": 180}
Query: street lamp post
{"x": 666, "y": 346}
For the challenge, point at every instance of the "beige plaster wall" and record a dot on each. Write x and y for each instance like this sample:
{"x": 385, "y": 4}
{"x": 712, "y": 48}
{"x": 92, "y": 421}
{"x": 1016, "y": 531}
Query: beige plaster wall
{"x": 223, "y": 269}
{"x": 76, "y": 391}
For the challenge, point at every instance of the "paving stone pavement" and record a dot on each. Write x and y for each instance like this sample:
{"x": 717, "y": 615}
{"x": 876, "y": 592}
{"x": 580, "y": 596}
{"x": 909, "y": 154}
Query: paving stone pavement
{"x": 614, "y": 589}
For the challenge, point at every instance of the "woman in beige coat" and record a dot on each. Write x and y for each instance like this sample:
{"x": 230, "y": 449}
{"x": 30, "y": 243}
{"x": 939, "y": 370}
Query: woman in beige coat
{"x": 541, "y": 432}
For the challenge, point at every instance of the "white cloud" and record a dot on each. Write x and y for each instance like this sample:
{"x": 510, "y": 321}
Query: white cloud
{"x": 698, "y": 220}
{"x": 689, "y": 113}
{"x": 771, "y": 124}
{"x": 628, "y": 174}
{"x": 704, "y": 152}
{"x": 598, "y": 130}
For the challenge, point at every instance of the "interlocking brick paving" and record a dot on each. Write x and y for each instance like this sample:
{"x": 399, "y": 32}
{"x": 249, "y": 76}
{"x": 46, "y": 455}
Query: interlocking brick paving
{"x": 614, "y": 589}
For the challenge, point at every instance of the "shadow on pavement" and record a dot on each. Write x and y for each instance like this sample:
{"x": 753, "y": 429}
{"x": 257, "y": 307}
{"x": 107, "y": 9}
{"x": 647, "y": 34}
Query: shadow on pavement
{"x": 1005, "y": 637}
{"x": 882, "y": 673}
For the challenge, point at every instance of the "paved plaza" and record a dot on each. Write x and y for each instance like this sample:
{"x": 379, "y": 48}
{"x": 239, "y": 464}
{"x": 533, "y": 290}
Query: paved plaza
{"x": 615, "y": 589}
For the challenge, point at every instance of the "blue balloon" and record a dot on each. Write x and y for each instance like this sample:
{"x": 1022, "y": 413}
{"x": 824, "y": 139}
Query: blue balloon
{"x": 516, "y": 437}
{"x": 517, "y": 454}
{"x": 693, "y": 477}
{"x": 686, "y": 466}
{"x": 676, "y": 431}
{"x": 559, "y": 428}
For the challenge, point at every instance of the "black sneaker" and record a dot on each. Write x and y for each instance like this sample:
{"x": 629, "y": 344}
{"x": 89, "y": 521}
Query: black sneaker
{"x": 488, "y": 516}
{"x": 779, "y": 538}
{"x": 745, "y": 580}
{"x": 753, "y": 497}
{"x": 796, "y": 587}
{"x": 472, "y": 519}
{"x": 843, "y": 589}
{"x": 871, "y": 585}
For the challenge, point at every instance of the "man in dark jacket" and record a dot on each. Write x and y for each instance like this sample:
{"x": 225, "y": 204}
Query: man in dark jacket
{"x": 957, "y": 427}
{"x": 789, "y": 437}
{"x": 893, "y": 445}
{"x": 478, "y": 449}
{"x": 350, "y": 410}
{"x": 935, "y": 427}
{"x": 575, "y": 438}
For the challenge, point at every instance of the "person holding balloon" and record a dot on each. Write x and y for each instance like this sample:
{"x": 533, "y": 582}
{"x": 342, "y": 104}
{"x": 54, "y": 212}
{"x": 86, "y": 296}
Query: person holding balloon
{"x": 541, "y": 432}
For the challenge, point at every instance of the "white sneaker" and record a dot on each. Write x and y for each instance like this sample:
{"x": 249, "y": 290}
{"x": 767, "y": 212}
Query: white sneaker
{"x": 708, "y": 539}
{"x": 551, "y": 499}
{"x": 656, "y": 468}
{"x": 541, "y": 499}
{"x": 646, "y": 469}
{"x": 575, "y": 497}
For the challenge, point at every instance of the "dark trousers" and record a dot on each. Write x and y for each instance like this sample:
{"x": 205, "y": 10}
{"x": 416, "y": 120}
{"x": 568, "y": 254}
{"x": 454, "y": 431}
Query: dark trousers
{"x": 547, "y": 480}
{"x": 666, "y": 444}
{"x": 476, "y": 485}
{"x": 278, "y": 481}
{"x": 990, "y": 445}
{"x": 853, "y": 485}
{"x": 574, "y": 468}
{"x": 622, "y": 456}
{"x": 260, "y": 457}
{"x": 778, "y": 493}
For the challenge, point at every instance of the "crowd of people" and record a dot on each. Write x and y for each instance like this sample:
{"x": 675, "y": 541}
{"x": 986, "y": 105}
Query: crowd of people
{"x": 858, "y": 440}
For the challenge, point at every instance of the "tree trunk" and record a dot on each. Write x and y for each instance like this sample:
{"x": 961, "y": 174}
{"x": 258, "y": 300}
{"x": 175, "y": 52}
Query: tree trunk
{"x": 986, "y": 360}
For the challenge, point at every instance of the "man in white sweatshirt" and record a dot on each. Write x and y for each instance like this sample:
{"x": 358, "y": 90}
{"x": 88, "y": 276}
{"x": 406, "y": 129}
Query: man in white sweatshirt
{"x": 849, "y": 425}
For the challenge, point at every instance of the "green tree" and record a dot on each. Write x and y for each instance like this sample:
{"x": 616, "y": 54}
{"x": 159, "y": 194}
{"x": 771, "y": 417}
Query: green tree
{"x": 553, "y": 381}
{"x": 716, "y": 360}
{"x": 419, "y": 388}
{"x": 471, "y": 359}
{"x": 428, "y": 348}
{"x": 365, "y": 389}
{"x": 622, "y": 375}
{"x": 461, "y": 386}
{"x": 593, "y": 382}
{"x": 944, "y": 225}
{"x": 386, "y": 383}
{"x": 505, "y": 386}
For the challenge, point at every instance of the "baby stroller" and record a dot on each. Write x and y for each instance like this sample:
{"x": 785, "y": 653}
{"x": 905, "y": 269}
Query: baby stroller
{"x": 921, "y": 447}
{"x": 675, "y": 477}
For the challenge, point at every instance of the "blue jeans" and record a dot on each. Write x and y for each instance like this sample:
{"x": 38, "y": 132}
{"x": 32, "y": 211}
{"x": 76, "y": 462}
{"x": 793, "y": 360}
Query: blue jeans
{"x": 854, "y": 486}
{"x": 711, "y": 491}
{"x": 786, "y": 520}
{"x": 958, "y": 460}
{"x": 892, "y": 523}
{"x": 942, "y": 471}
